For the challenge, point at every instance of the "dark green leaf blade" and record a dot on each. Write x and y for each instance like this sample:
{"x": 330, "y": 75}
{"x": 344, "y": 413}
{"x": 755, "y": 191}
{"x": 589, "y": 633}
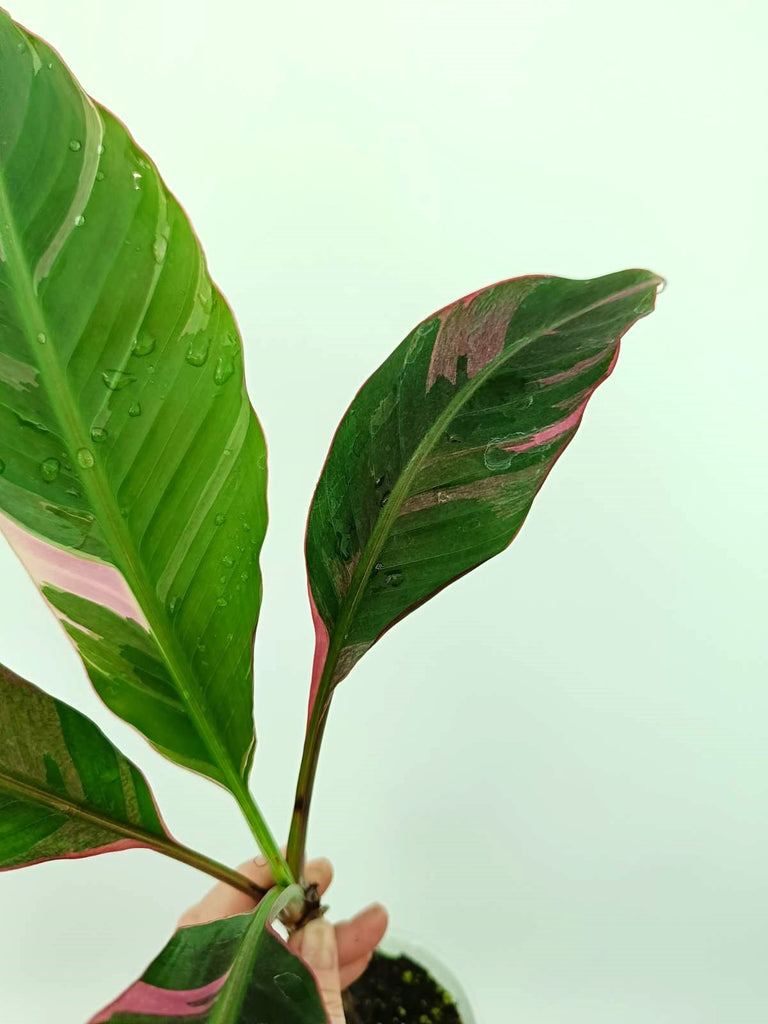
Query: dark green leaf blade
{"x": 233, "y": 971}
{"x": 65, "y": 790}
{"x": 436, "y": 463}
{"x": 132, "y": 467}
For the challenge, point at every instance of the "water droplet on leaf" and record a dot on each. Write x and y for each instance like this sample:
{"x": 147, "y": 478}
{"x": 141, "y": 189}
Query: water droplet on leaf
{"x": 160, "y": 248}
{"x": 75, "y": 145}
{"x": 197, "y": 353}
{"x": 49, "y": 469}
{"x": 99, "y": 434}
{"x": 42, "y": 337}
{"x": 220, "y": 519}
{"x": 225, "y": 367}
{"x": 136, "y": 181}
{"x": 85, "y": 457}
{"x": 394, "y": 578}
{"x": 228, "y": 560}
{"x": 143, "y": 345}
{"x": 135, "y": 410}
{"x": 495, "y": 458}
{"x": 116, "y": 380}
{"x": 291, "y": 986}
{"x": 79, "y": 220}
{"x": 100, "y": 175}
{"x": 222, "y": 602}
{"x": 174, "y": 603}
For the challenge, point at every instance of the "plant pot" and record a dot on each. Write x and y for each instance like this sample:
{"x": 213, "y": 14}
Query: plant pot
{"x": 397, "y": 945}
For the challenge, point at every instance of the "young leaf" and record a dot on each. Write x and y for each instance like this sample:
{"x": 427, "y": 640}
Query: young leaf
{"x": 66, "y": 791}
{"x": 132, "y": 467}
{"x": 233, "y": 971}
{"x": 436, "y": 463}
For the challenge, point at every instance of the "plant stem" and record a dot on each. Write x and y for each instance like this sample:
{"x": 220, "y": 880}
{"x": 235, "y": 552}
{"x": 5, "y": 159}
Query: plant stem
{"x": 281, "y": 873}
{"x": 211, "y": 867}
{"x": 297, "y": 839}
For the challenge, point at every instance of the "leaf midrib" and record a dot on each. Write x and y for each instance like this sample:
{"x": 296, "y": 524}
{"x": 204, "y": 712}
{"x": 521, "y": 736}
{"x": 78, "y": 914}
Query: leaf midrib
{"x": 30, "y": 791}
{"x": 369, "y": 555}
{"x": 96, "y": 486}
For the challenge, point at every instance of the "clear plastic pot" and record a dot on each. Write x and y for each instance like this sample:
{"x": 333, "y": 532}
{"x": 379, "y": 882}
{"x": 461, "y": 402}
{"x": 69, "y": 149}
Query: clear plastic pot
{"x": 399, "y": 944}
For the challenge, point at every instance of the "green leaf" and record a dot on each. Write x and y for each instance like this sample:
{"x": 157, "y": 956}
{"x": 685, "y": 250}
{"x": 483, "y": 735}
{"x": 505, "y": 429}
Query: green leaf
{"x": 438, "y": 459}
{"x": 65, "y": 790}
{"x": 132, "y": 467}
{"x": 436, "y": 463}
{"x": 234, "y": 971}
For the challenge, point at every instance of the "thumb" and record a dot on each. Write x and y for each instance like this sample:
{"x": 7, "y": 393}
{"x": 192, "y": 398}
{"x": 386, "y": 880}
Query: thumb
{"x": 319, "y": 952}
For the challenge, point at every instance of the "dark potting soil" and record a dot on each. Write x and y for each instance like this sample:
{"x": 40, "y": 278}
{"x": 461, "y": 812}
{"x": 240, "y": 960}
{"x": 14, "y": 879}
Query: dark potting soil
{"x": 395, "y": 990}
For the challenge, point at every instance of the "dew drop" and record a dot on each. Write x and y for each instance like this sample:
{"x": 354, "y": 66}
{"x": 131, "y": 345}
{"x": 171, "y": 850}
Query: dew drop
{"x": 98, "y": 434}
{"x": 383, "y": 499}
{"x": 378, "y": 567}
{"x": 379, "y": 481}
{"x": 174, "y": 603}
{"x": 49, "y": 469}
{"x": 394, "y": 579}
{"x": 225, "y": 367}
{"x": 220, "y": 519}
{"x": 100, "y": 175}
{"x": 494, "y": 457}
{"x": 136, "y": 181}
{"x": 79, "y": 220}
{"x": 442, "y": 498}
{"x": 244, "y": 577}
{"x": 85, "y": 457}
{"x": 247, "y": 527}
{"x": 197, "y": 352}
{"x": 116, "y": 380}
{"x": 222, "y": 602}
{"x": 160, "y": 248}
{"x": 143, "y": 345}
{"x": 75, "y": 145}
{"x": 291, "y": 986}
{"x": 228, "y": 560}
{"x": 124, "y": 512}
{"x": 100, "y": 149}
{"x": 42, "y": 337}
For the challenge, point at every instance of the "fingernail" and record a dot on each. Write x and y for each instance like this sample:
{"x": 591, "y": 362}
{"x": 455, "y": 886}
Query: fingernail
{"x": 260, "y": 862}
{"x": 319, "y": 946}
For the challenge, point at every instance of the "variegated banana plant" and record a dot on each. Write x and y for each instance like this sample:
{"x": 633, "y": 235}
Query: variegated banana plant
{"x": 133, "y": 487}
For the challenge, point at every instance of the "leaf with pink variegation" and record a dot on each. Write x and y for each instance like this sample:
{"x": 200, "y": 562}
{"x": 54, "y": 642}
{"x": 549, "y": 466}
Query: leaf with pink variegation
{"x": 65, "y": 790}
{"x": 232, "y": 971}
{"x": 437, "y": 461}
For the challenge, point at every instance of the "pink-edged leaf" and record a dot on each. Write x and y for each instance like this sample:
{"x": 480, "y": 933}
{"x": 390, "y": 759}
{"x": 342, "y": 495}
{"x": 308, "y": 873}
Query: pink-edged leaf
{"x": 436, "y": 463}
{"x": 65, "y": 790}
{"x": 132, "y": 467}
{"x": 232, "y": 971}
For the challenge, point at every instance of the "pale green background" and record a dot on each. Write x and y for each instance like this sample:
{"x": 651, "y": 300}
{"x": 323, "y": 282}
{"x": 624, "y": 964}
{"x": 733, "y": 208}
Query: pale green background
{"x": 556, "y": 774}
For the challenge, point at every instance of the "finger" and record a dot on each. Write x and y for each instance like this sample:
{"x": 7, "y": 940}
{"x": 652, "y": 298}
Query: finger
{"x": 224, "y": 901}
{"x": 349, "y": 974}
{"x": 321, "y": 956}
{"x": 360, "y": 936}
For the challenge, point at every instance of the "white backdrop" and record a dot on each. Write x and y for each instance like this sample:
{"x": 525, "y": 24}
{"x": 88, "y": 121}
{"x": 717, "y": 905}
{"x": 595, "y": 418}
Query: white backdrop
{"x": 556, "y": 773}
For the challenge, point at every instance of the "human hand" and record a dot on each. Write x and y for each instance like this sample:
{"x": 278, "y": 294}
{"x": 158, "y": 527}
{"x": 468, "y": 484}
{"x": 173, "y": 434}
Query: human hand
{"x": 337, "y": 955}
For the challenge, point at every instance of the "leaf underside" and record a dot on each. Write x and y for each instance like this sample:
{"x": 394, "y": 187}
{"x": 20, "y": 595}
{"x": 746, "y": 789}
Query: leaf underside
{"x": 191, "y": 981}
{"x": 436, "y": 463}
{"x": 65, "y": 790}
{"x": 132, "y": 467}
